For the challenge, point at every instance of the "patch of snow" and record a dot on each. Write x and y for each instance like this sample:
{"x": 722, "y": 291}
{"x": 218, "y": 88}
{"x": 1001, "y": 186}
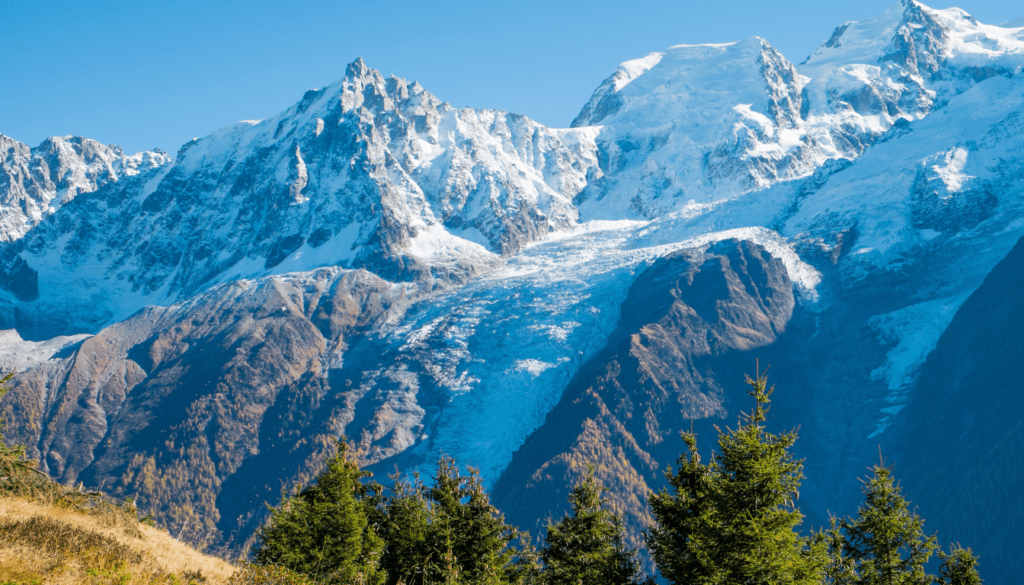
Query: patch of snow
{"x": 950, "y": 171}
{"x": 437, "y": 245}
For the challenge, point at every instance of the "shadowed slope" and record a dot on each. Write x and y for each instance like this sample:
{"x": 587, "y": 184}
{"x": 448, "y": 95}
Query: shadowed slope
{"x": 963, "y": 460}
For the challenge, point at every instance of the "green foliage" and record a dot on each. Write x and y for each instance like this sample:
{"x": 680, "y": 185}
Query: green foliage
{"x": 959, "y": 567}
{"x": 402, "y": 520}
{"x": 448, "y": 532}
{"x": 684, "y": 542}
{"x": 323, "y": 531}
{"x": 268, "y": 575}
{"x": 734, "y": 519}
{"x": 586, "y": 546}
{"x": 885, "y": 544}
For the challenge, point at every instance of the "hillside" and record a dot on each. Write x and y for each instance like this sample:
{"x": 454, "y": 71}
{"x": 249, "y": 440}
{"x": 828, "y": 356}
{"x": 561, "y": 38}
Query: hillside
{"x": 53, "y": 544}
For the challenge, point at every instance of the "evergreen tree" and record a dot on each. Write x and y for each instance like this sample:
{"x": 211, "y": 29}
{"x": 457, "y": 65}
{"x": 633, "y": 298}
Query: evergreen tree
{"x": 734, "y": 519}
{"x": 467, "y": 526}
{"x": 323, "y": 530}
{"x": 684, "y": 539}
{"x": 404, "y": 524}
{"x": 841, "y": 568}
{"x": 885, "y": 544}
{"x": 587, "y": 545}
{"x": 959, "y": 567}
{"x": 449, "y": 532}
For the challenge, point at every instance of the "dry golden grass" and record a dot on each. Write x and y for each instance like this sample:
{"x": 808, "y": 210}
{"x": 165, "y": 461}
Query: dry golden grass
{"x": 43, "y": 544}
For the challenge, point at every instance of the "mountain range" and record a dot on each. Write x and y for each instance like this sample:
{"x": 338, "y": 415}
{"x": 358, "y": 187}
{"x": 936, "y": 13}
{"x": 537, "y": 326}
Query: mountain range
{"x": 195, "y": 331}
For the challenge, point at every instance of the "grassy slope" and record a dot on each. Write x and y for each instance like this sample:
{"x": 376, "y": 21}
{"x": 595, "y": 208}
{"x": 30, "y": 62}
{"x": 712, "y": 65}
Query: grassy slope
{"x": 42, "y": 543}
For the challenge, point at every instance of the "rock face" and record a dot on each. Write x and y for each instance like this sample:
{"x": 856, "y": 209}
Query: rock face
{"x": 428, "y": 280}
{"x": 200, "y": 410}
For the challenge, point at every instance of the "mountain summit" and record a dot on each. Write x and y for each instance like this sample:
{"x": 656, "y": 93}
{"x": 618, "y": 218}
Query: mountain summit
{"x": 373, "y": 262}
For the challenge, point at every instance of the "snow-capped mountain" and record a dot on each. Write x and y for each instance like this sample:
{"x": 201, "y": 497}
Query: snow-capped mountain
{"x": 695, "y": 125}
{"x": 369, "y": 172}
{"x": 427, "y": 280}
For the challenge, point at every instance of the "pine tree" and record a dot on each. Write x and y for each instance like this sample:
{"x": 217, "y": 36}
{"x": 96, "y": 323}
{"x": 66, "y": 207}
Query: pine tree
{"x": 841, "y": 568}
{"x": 404, "y": 523}
{"x": 449, "y": 532}
{"x": 734, "y": 520}
{"x": 323, "y": 530}
{"x": 587, "y": 545}
{"x": 684, "y": 539}
{"x": 885, "y": 544}
{"x": 466, "y": 525}
{"x": 959, "y": 567}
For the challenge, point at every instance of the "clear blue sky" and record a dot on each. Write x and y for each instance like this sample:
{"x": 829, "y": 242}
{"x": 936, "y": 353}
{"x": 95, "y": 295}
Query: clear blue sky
{"x": 155, "y": 73}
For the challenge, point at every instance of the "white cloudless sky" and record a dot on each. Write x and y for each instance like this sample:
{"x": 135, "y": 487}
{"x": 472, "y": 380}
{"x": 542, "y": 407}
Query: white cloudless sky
{"x": 155, "y": 73}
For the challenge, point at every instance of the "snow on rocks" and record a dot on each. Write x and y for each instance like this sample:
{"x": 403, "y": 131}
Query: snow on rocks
{"x": 18, "y": 355}
{"x": 36, "y": 182}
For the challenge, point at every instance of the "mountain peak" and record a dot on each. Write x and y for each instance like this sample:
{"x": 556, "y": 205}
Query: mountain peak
{"x": 358, "y": 69}
{"x": 918, "y": 39}
{"x": 671, "y": 77}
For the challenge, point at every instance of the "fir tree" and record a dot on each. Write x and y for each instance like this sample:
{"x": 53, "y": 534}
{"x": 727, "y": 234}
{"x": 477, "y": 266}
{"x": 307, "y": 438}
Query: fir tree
{"x": 734, "y": 520}
{"x": 684, "y": 539}
{"x": 959, "y": 567}
{"x": 449, "y": 532}
{"x": 404, "y": 524}
{"x": 467, "y": 526}
{"x": 885, "y": 544}
{"x": 587, "y": 545}
{"x": 841, "y": 568}
{"x": 323, "y": 530}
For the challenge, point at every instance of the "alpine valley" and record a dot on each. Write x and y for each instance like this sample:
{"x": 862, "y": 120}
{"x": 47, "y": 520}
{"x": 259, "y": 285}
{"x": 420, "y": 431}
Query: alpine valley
{"x": 196, "y": 331}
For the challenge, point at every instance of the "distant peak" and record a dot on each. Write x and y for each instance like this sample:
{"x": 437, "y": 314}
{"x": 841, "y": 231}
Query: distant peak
{"x": 911, "y": 5}
{"x": 358, "y": 69}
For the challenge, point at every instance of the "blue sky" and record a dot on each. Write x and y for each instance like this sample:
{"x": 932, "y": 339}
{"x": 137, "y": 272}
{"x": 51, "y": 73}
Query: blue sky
{"x": 156, "y": 73}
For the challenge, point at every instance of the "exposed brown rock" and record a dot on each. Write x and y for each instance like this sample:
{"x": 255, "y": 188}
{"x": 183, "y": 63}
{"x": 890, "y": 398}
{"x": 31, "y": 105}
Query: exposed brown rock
{"x": 204, "y": 411}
